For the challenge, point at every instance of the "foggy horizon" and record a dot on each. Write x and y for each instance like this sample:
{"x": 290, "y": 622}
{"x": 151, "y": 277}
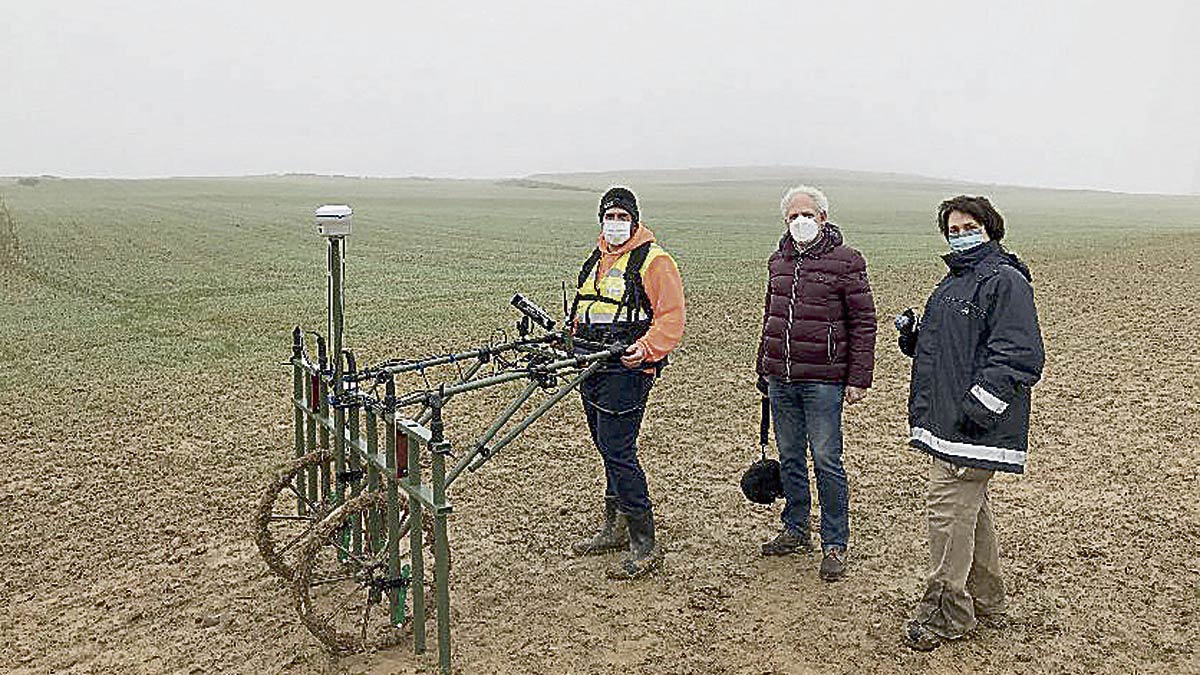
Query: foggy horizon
{"x": 1069, "y": 96}
{"x": 951, "y": 180}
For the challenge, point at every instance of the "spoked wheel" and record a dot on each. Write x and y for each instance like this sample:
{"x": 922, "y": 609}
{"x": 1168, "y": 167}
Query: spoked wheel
{"x": 343, "y": 591}
{"x": 286, "y": 514}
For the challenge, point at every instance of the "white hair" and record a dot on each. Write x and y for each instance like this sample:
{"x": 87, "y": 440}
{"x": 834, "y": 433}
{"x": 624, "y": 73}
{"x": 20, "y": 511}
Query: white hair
{"x": 815, "y": 194}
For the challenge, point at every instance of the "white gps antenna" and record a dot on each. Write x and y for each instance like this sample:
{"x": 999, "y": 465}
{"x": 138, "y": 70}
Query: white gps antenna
{"x": 334, "y": 220}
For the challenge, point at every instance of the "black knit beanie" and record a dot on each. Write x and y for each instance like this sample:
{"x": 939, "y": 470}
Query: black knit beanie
{"x": 619, "y": 197}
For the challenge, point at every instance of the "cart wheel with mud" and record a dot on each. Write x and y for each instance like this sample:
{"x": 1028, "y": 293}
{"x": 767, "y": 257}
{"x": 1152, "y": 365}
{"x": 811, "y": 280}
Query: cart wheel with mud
{"x": 345, "y": 595}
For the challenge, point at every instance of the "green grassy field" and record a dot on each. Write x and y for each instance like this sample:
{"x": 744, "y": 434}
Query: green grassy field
{"x": 192, "y": 273}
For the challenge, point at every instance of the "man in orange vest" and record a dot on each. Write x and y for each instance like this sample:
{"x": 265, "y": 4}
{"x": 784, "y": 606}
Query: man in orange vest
{"x": 629, "y": 292}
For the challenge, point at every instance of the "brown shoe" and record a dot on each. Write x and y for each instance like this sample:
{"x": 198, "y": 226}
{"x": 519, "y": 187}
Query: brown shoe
{"x": 787, "y": 542}
{"x": 833, "y": 565}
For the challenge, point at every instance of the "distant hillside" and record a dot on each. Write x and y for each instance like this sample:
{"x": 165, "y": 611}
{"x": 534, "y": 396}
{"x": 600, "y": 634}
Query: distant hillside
{"x": 747, "y": 174}
{"x": 820, "y": 176}
{"x": 540, "y": 184}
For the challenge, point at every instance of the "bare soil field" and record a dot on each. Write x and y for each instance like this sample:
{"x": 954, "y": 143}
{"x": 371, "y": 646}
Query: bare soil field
{"x": 133, "y": 552}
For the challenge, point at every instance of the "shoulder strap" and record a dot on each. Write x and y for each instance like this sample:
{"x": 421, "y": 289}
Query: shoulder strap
{"x": 637, "y": 258}
{"x": 588, "y": 266}
{"x": 586, "y": 270}
{"x": 635, "y": 292}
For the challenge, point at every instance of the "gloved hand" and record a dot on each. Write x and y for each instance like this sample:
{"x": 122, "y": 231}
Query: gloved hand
{"x": 908, "y": 326}
{"x": 975, "y": 420}
{"x": 761, "y": 385}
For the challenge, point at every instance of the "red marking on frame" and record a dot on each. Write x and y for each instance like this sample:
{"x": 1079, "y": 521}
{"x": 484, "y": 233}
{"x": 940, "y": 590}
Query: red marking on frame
{"x": 315, "y": 403}
{"x": 401, "y": 454}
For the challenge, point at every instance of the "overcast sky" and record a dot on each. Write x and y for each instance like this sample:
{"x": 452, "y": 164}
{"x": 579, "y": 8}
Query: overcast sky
{"x": 1065, "y": 94}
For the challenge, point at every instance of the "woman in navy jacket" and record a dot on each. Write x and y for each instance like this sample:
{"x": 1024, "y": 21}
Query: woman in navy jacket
{"x": 977, "y": 350}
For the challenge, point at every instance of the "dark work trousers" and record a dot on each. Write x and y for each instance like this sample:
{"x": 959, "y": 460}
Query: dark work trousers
{"x": 614, "y": 400}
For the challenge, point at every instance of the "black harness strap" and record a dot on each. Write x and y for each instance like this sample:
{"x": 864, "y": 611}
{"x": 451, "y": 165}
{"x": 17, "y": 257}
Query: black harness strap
{"x": 635, "y": 292}
{"x": 588, "y": 265}
{"x": 633, "y": 299}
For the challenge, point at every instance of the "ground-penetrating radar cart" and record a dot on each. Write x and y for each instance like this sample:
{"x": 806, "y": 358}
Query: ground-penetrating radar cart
{"x": 351, "y": 519}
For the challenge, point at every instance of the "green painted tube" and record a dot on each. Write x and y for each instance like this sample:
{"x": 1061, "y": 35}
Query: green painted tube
{"x": 507, "y": 415}
{"x": 416, "y": 534}
{"x": 337, "y": 269}
{"x": 519, "y": 375}
{"x": 502, "y": 419}
{"x": 441, "y": 545}
{"x": 339, "y": 464}
{"x": 463, "y": 356}
{"x": 298, "y": 425}
{"x": 426, "y": 413}
{"x": 356, "y": 525}
{"x": 323, "y": 431}
{"x": 311, "y": 435}
{"x": 533, "y": 416}
{"x": 336, "y": 290}
{"x": 373, "y": 524}
{"x": 393, "y": 511}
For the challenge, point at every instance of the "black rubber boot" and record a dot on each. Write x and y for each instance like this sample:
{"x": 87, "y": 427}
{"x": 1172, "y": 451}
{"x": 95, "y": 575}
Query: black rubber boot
{"x": 613, "y": 534}
{"x": 644, "y": 552}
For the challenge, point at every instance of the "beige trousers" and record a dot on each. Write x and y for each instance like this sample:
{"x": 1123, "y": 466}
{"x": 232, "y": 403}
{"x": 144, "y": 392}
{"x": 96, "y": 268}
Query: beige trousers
{"x": 964, "y": 560}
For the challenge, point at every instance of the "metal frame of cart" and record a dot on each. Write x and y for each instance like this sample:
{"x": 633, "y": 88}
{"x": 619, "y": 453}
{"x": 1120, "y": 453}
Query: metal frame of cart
{"x": 356, "y": 496}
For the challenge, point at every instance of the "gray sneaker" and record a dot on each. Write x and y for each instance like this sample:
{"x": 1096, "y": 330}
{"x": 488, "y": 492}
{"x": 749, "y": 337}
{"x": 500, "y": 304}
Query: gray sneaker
{"x": 919, "y": 638}
{"x": 833, "y": 565}
{"x": 788, "y": 541}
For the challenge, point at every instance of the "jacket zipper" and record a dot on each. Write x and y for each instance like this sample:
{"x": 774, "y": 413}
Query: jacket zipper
{"x": 829, "y": 343}
{"x": 787, "y": 334}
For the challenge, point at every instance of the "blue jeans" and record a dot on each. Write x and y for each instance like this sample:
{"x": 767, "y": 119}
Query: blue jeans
{"x": 614, "y": 400}
{"x": 809, "y": 414}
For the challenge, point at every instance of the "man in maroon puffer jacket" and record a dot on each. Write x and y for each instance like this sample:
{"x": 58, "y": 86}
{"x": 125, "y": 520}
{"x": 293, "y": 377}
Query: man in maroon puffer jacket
{"x": 817, "y": 350}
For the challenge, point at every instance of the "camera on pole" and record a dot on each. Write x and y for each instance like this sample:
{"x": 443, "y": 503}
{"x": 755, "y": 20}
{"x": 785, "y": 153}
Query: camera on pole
{"x": 531, "y": 310}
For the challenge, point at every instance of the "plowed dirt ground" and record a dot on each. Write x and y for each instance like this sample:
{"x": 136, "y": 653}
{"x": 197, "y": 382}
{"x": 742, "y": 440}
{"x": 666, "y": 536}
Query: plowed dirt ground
{"x": 135, "y": 444}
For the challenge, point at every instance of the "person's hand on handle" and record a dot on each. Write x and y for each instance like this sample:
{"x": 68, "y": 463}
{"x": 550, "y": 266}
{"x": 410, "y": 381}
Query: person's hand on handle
{"x": 635, "y": 354}
{"x": 855, "y": 394}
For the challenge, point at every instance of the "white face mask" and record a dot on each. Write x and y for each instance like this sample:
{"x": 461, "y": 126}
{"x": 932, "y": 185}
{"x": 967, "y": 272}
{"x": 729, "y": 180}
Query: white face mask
{"x": 804, "y": 230}
{"x": 616, "y": 232}
{"x": 966, "y": 241}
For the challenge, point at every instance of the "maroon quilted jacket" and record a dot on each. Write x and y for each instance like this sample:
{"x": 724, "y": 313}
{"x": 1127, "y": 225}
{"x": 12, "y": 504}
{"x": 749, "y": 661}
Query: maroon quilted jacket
{"x": 819, "y": 316}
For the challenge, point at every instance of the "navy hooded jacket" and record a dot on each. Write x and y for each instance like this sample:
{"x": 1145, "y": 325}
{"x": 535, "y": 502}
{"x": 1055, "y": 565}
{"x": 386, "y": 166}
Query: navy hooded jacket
{"x": 978, "y": 352}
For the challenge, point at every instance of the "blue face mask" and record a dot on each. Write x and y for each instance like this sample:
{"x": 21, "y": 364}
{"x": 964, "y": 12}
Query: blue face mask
{"x": 965, "y": 241}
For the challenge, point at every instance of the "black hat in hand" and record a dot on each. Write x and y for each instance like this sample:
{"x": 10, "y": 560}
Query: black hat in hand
{"x": 761, "y": 483}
